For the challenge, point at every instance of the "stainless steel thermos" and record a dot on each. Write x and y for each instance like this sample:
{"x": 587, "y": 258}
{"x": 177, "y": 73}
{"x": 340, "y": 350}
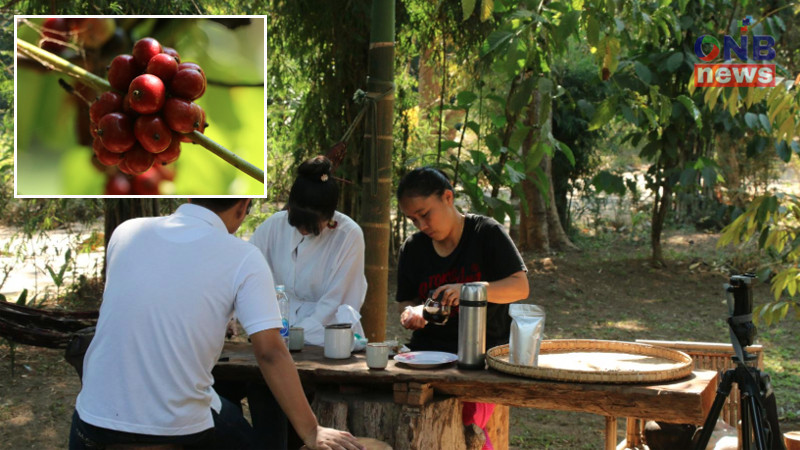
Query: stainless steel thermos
{"x": 472, "y": 326}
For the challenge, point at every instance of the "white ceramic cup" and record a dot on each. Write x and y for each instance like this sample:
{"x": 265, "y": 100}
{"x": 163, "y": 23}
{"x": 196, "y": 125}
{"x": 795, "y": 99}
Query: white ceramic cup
{"x": 339, "y": 341}
{"x": 296, "y": 339}
{"x": 377, "y": 355}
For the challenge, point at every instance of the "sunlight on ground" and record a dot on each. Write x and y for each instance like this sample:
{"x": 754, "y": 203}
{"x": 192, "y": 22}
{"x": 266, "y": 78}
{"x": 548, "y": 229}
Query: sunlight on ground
{"x": 628, "y": 325}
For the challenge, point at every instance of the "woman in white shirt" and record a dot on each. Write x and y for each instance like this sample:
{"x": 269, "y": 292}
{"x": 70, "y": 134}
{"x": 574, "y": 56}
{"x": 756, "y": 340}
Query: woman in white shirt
{"x": 316, "y": 252}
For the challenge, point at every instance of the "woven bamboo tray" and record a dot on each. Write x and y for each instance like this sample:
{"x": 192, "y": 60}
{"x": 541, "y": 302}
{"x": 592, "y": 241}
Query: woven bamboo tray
{"x": 597, "y": 361}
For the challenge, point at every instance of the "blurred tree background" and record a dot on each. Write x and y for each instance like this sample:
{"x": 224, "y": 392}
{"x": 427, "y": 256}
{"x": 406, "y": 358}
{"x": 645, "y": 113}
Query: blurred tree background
{"x": 54, "y": 149}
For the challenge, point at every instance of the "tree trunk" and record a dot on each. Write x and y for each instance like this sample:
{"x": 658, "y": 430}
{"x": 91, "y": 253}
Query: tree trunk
{"x": 377, "y": 173}
{"x": 661, "y": 205}
{"x": 122, "y": 209}
{"x": 540, "y": 229}
{"x": 555, "y": 231}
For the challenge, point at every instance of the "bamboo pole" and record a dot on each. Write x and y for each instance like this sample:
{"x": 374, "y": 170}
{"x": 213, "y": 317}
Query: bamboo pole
{"x": 377, "y": 179}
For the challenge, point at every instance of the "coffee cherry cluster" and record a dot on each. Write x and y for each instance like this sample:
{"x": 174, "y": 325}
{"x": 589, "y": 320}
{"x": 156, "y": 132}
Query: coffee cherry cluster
{"x": 89, "y": 33}
{"x": 143, "y": 120}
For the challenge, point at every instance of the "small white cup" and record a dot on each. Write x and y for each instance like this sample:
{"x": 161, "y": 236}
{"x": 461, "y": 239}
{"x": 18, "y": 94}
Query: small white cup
{"x": 296, "y": 339}
{"x": 338, "y": 341}
{"x": 377, "y": 355}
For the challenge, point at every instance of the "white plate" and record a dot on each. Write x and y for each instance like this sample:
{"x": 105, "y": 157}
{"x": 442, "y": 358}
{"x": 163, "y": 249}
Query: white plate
{"x": 425, "y": 360}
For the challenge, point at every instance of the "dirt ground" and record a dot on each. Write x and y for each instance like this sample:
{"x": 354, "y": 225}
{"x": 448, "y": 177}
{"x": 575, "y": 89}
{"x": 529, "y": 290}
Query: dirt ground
{"x": 606, "y": 291}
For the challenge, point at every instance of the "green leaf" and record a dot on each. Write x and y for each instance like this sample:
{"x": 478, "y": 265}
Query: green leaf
{"x": 514, "y": 175}
{"x": 467, "y": 6}
{"x": 496, "y": 39}
{"x": 23, "y": 297}
{"x": 522, "y": 97}
{"x": 568, "y": 25}
{"x": 607, "y": 182}
{"x": 764, "y": 120}
{"x": 567, "y": 152}
{"x": 692, "y": 108}
{"x": 448, "y": 144}
{"x": 493, "y": 142}
{"x": 603, "y": 114}
{"x": 487, "y": 6}
{"x": 751, "y": 120}
{"x": 784, "y": 152}
{"x": 464, "y": 99}
{"x": 472, "y": 125}
{"x": 674, "y": 61}
{"x": 643, "y": 72}
{"x": 592, "y": 30}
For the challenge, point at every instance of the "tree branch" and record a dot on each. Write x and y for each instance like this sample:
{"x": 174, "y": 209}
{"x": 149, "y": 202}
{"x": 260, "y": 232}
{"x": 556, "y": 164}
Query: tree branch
{"x": 59, "y": 64}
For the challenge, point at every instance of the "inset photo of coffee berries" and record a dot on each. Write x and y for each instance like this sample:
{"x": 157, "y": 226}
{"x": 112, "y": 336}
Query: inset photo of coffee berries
{"x": 132, "y": 106}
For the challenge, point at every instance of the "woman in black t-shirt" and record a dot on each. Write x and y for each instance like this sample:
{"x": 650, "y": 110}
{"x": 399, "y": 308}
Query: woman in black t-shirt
{"x": 449, "y": 250}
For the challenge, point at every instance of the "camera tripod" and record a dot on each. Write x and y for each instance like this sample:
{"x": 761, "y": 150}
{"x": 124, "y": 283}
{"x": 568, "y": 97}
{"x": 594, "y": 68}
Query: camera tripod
{"x": 757, "y": 408}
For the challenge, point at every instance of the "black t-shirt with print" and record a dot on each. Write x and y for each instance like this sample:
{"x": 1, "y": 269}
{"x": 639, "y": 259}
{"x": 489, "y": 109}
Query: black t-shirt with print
{"x": 484, "y": 253}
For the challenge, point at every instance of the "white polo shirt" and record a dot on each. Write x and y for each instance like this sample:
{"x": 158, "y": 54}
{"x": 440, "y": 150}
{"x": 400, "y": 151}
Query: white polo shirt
{"x": 172, "y": 284}
{"x": 320, "y": 273}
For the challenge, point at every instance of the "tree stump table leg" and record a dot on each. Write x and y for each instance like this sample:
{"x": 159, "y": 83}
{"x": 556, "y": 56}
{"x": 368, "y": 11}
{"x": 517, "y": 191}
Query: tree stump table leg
{"x": 436, "y": 423}
{"x": 498, "y": 427}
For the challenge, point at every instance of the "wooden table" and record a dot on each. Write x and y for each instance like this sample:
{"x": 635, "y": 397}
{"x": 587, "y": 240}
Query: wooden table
{"x": 683, "y": 401}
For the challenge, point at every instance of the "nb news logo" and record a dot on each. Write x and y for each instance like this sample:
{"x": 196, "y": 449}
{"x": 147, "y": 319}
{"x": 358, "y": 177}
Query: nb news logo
{"x": 727, "y": 74}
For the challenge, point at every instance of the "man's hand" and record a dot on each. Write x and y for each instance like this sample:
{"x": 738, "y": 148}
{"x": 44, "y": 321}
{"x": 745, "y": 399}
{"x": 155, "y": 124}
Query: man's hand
{"x": 411, "y": 318}
{"x": 328, "y": 438}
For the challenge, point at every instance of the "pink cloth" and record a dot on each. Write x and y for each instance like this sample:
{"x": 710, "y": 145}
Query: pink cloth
{"x": 479, "y": 414}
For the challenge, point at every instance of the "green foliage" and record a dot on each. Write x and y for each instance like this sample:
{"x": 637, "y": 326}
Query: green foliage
{"x": 775, "y": 221}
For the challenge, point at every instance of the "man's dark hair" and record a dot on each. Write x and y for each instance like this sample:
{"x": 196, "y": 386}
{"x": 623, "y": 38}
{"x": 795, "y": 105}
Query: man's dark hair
{"x": 423, "y": 182}
{"x": 217, "y": 205}
{"x": 313, "y": 196}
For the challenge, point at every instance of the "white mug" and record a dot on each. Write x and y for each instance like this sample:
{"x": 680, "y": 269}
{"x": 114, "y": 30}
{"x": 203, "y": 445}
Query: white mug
{"x": 377, "y": 355}
{"x": 339, "y": 340}
{"x": 296, "y": 339}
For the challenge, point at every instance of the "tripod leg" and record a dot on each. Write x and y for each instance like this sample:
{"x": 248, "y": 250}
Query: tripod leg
{"x": 756, "y": 422}
{"x": 723, "y": 390}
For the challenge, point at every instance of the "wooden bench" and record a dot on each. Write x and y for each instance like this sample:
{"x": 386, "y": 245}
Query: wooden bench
{"x": 705, "y": 355}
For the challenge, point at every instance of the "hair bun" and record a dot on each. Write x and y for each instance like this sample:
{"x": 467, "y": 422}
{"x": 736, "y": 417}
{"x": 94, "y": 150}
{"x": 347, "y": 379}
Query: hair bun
{"x": 317, "y": 168}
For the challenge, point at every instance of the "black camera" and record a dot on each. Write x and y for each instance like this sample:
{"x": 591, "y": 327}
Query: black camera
{"x": 739, "y": 291}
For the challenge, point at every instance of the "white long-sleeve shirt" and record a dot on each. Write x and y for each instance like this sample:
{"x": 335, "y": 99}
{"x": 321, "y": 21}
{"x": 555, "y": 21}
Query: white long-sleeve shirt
{"x": 320, "y": 273}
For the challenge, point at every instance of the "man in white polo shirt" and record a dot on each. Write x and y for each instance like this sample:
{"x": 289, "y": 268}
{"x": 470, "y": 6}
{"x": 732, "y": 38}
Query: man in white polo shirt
{"x": 172, "y": 285}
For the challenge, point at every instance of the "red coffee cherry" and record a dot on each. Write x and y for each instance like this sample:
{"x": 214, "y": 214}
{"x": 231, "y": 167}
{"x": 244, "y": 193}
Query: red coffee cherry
{"x": 93, "y": 130}
{"x": 147, "y": 94}
{"x": 138, "y": 160}
{"x": 108, "y": 102}
{"x": 147, "y": 183}
{"x": 182, "y": 115}
{"x": 172, "y": 52}
{"x": 93, "y": 33}
{"x": 122, "y": 71}
{"x": 55, "y": 31}
{"x": 105, "y": 157}
{"x": 126, "y": 106}
{"x": 116, "y": 132}
{"x": 201, "y": 128}
{"x": 172, "y": 152}
{"x": 118, "y": 185}
{"x": 163, "y": 66}
{"x": 152, "y": 133}
{"x": 144, "y": 49}
{"x": 188, "y": 83}
{"x": 191, "y": 65}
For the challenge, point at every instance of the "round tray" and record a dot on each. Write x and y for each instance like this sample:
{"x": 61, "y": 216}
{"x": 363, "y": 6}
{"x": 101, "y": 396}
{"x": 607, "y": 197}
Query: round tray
{"x": 597, "y": 361}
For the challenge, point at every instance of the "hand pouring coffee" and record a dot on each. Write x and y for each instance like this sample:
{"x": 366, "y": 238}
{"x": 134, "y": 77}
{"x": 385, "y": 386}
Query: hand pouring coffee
{"x": 433, "y": 311}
